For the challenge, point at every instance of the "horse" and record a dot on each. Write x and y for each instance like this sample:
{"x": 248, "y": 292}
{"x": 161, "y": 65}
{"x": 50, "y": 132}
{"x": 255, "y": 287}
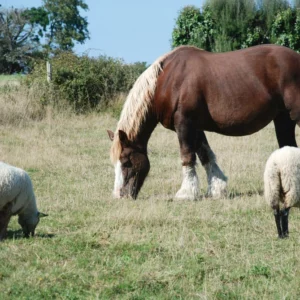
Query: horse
{"x": 190, "y": 91}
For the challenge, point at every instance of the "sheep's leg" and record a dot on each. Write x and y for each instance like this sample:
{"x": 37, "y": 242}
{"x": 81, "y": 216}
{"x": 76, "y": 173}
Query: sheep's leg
{"x": 282, "y": 222}
{"x": 285, "y": 222}
{"x": 277, "y": 215}
{"x": 5, "y": 216}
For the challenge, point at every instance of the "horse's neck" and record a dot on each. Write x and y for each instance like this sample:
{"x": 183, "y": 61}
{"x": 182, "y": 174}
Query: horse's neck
{"x": 146, "y": 129}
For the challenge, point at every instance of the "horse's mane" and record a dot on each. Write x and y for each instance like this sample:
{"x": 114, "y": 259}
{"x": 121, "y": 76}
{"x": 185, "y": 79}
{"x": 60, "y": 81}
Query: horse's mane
{"x": 137, "y": 103}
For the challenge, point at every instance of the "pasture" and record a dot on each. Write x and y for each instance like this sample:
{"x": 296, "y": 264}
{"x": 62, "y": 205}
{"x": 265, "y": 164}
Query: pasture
{"x": 12, "y": 80}
{"x": 92, "y": 246}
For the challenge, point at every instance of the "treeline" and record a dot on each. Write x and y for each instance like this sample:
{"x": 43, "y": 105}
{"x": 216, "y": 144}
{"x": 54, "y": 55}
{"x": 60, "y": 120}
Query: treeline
{"x": 225, "y": 25}
{"x": 39, "y": 32}
{"x": 29, "y": 37}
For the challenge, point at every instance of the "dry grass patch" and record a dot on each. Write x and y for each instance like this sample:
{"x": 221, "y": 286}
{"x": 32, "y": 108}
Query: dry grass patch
{"x": 19, "y": 105}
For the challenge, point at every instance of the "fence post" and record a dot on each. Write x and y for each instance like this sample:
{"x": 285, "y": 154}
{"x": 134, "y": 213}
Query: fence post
{"x": 49, "y": 71}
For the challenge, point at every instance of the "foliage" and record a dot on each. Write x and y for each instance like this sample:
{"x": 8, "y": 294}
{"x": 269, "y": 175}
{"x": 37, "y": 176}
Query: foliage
{"x": 224, "y": 25}
{"x": 39, "y": 17}
{"x": 60, "y": 22}
{"x": 85, "y": 82}
{"x": 286, "y": 29}
{"x": 188, "y": 21}
{"x": 66, "y": 25}
{"x": 194, "y": 28}
{"x": 18, "y": 40}
{"x": 231, "y": 19}
{"x": 39, "y": 32}
{"x": 260, "y": 30}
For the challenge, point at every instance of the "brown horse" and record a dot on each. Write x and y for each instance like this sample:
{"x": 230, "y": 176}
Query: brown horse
{"x": 190, "y": 91}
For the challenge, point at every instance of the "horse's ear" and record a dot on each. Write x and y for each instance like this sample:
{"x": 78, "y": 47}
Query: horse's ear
{"x": 110, "y": 134}
{"x": 123, "y": 138}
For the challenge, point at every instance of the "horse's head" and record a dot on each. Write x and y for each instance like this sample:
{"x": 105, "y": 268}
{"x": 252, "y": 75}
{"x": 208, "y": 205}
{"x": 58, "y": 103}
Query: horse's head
{"x": 131, "y": 169}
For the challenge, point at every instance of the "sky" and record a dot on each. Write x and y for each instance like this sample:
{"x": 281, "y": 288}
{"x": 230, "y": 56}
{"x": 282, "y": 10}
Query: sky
{"x": 134, "y": 30}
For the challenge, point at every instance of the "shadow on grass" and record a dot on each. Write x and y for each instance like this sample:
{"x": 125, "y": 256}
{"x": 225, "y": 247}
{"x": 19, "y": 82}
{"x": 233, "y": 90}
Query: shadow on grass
{"x": 18, "y": 234}
{"x": 236, "y": 194}
{"x": 231, "y": 194}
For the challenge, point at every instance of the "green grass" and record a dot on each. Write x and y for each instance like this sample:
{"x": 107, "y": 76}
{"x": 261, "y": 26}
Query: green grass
{"x": 92, "y": 246}
{"x": 10, "y": 77}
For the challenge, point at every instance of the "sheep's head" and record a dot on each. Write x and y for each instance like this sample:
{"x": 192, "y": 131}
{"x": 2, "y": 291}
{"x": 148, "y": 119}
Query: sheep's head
{"x": 29, "y": 224}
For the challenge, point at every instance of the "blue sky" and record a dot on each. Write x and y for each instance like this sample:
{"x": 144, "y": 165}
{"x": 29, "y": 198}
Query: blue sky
{"x": 134, "y": 30}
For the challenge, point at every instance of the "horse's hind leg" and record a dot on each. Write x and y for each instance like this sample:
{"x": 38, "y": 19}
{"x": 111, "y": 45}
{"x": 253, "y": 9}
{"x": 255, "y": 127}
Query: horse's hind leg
{"x": 190, "y": 185}
{"x": 217, "y": 181}
{"x": 285, "y": 130}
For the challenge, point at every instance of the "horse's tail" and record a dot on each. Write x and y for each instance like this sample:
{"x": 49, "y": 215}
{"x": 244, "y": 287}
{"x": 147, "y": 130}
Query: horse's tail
{"x": 136, "y": 106}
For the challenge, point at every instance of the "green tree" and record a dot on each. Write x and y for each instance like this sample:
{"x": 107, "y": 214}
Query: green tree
{"x": 194, "y": 28}
{"x": 18, "y": 41}
{"x": 188, "y": 21}
{"x": 66, "y": 25}
{"x": 38, "y": 17}
{"x": 224, "y": 25}
{"x": 261, "y": 27}
{"x": 60, "y": 23}
{"x": 232, "y": 19}
{"x": 286, "y": 28}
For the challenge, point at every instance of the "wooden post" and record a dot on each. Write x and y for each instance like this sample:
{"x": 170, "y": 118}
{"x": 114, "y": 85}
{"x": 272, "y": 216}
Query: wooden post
{"x": 49, "y": 71}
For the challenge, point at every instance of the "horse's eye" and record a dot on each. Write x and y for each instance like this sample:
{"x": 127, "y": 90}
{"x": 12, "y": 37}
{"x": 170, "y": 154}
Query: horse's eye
{"x": 127, "y": 164}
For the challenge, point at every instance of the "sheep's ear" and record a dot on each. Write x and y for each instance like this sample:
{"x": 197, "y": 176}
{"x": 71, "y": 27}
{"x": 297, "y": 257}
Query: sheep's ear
{"x": 41, "y": 215}
{"x": 111, "y": 135}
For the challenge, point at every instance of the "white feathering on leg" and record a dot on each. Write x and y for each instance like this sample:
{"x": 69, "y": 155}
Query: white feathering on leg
{"x": 217, "y": 181}
{"x": 118, "y": 180}
{"x": 190, "y": 185}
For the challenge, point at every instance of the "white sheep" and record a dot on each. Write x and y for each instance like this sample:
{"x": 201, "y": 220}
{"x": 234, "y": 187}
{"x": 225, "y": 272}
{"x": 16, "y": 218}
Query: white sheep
{"x": 282, "y": 185}
{"x": 17, "y": 198}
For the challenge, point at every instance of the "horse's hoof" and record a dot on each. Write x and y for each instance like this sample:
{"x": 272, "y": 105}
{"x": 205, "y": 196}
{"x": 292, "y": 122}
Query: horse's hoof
{"x": 181, "y": 196}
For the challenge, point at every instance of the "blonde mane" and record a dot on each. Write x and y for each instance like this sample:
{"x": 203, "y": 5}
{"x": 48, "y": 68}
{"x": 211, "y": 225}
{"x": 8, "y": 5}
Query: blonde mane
{"x": 137, "y": 104}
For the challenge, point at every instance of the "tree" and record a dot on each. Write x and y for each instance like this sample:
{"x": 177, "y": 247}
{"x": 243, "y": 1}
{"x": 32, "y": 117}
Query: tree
{"x": 60, "y": 23}
{"x": 194, "y": 28}
{"x": 220, "y": 26}
{"x": 188, "y": 21}
{"x": 38, "y": 17}
{"x": 232, "y": 18}
{"x": 65, "y": 23}
{"x": 260, "y": 28}
{"x": 17, "y": 40}
{"x": 286, "y": 29}
{"x": 224, "y": 25}
{"x": 57, "y": 24}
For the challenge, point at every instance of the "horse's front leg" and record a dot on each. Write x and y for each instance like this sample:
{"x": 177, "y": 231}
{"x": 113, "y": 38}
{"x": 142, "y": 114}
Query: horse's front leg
{"x": 217, "y": 181}
{"x": 190, "y": 185}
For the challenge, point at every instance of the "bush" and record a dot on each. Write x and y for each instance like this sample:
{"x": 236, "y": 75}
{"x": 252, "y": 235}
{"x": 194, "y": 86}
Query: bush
{"x": 84, "y": 82}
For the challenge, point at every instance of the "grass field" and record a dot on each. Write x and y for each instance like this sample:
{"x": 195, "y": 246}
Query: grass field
{"x": 10, "y": 80}
{"x": 92, "y": 246}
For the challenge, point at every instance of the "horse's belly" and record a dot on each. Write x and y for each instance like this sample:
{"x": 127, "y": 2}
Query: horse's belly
{"x": 234, "y": 126}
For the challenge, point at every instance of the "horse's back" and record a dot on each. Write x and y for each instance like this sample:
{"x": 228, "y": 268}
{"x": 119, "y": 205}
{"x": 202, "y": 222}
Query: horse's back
{"x": 227, "y": 91}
